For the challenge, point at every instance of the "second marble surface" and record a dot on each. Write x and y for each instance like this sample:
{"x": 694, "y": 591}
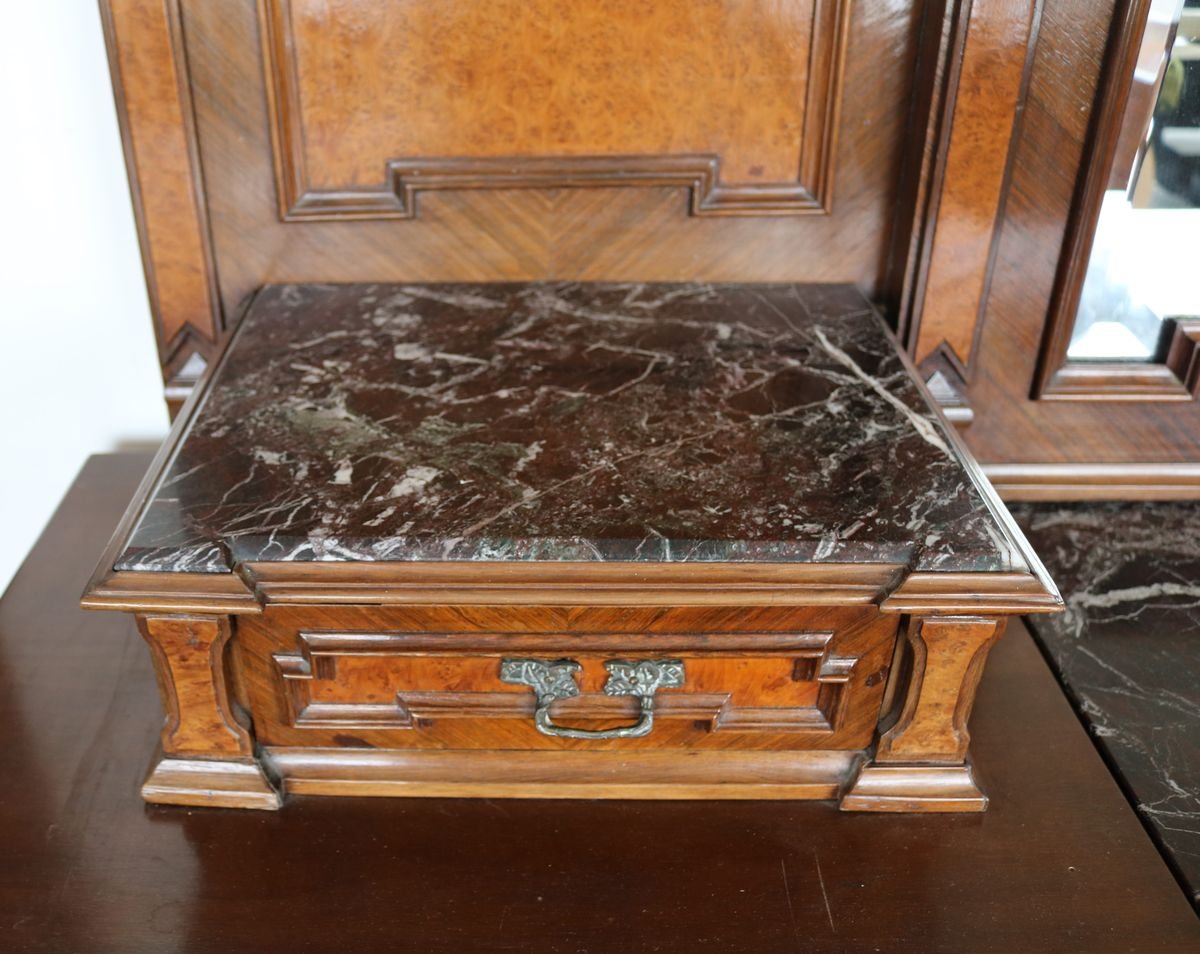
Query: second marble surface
{"x": 1127, "y": 649}
{"x": 656, "y": 423}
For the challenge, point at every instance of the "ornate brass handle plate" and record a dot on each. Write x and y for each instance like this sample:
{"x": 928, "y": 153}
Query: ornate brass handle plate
{"x": 554, "y": 679}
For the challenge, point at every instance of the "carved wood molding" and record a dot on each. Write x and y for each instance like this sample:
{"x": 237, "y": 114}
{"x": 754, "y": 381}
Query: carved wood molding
{"x": 1089, "y": 481}
{"x": 1176, "y": 379}
{"x": 1183, "y": 354}
{"x": 406, "y": 177}
{"x": 319, "y": 653}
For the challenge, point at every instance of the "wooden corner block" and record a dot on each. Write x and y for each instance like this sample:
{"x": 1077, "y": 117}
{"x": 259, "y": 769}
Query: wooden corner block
{"x": 914, "y": 788}
{"x": 212, "y": 783}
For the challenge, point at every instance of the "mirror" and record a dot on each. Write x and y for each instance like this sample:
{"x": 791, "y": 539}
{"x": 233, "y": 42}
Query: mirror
{"x": 1144, "y": 265}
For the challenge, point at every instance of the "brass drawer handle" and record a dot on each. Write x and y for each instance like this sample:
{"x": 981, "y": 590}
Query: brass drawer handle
{"x": 554, "y": 679}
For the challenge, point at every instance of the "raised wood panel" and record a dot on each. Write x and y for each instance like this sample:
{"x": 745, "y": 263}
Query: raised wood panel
{"x": 151, "y": 84}
{"x": 986, "y": 91}
{"x": 609, "y": 227}
{"x": 372, "y": 103}
{"x": 352, "y": 681}
{"x": 766, "y": 678}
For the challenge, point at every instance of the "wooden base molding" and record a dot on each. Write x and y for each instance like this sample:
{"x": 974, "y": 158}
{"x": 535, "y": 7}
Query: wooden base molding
{"x": 1126, "y": 481}
{"x": 212, "y": 783}
{"x": 514, "y": 774}
{"x": 914, "y": 788}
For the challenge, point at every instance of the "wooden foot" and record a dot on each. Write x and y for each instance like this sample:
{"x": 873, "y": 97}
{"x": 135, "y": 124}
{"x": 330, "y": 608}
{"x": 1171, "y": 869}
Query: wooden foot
{"x": 223, "y": 783}
{"x": 897, "y": 787}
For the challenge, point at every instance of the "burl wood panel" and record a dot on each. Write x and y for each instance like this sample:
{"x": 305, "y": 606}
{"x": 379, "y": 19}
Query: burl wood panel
{"x": 428, "y": 677}
{"x": 987, "y": 93}
{"x": 154, "y": 103}
{"x": 740, "y": 92}
{"x": 189, "y": 661}
{"x": 948, "y": 658}
{"x": 593, "y": 228}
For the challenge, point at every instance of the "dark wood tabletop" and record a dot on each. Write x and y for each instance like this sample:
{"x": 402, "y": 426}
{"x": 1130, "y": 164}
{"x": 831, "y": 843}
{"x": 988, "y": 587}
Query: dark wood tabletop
{"x": 1058, "y": 863}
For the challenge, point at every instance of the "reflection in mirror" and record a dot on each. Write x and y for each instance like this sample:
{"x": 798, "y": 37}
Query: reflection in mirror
{"x": 1145, "y": 260}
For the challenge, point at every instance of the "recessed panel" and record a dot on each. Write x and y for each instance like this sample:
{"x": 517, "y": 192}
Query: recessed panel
{"x": 374, "y": 102}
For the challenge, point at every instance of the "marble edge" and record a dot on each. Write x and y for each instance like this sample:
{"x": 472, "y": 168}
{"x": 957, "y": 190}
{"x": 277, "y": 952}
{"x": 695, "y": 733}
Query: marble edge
{"x": 216, "y": 557}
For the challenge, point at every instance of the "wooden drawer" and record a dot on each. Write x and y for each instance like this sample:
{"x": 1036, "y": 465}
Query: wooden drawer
{"x": 430, "y": 677}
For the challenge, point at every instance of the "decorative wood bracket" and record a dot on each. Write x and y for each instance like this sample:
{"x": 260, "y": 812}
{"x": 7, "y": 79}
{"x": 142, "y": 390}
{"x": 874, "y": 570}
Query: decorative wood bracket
{"x": 948, "y": 657}
{"x": 189, "y": 661}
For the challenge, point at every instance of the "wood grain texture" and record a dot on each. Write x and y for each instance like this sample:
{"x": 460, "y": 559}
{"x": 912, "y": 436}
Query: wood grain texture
{"x": 1172, "y": 481}
{"x": 428, "y": 677}
{"x": 736, "y": 101}
{"x": 189, "y": 660}
{"x": 154, "y": 105}
{"x": 1183, "y": 354}
{"x": 1080, "y": 448}
{"x": 80, "y": 715}
{"x": 986, "y": 101}
{"x": 948, "y": 658}
{"x": 594, "y": 233}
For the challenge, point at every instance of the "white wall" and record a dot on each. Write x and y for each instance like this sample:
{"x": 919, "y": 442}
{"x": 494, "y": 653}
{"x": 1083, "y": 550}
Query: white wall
{"x": 78, "y": 372}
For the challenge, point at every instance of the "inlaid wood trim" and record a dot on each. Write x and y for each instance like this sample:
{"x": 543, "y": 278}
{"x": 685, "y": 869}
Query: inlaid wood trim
{"x": 1176, "y": 379}
{"x": 1183, "y": 354}
{"x": 189, "y": 662}
{"x": 958, "y": 593}
{"x": 396, "y": 197}
{"x": 565, "y": 583}
{"x": 151, "y": 85}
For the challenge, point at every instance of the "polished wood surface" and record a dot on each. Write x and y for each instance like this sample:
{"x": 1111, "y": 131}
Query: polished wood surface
{"x": 987, "y": 90}
{"x": 151, "y": 82}
{"x": 742, "y": 97}
{"x": 1058, "y": 861}
{"x": 386, "y": 613}
{"x": 730, "y": 141}
{"x": 769, "y": 678}
{"x": 189, "y": 660}
{"x": 1117, "y": 83}
{"x": 1127, "y": 446}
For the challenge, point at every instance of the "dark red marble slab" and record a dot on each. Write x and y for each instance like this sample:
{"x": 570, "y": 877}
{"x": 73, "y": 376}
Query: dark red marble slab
{"x": 1127, "y": 650}
{"x": 657, "y": 423}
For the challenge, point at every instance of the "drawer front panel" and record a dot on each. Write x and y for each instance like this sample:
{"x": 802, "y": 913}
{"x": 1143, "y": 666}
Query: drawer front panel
{"x": 317, "y": 679}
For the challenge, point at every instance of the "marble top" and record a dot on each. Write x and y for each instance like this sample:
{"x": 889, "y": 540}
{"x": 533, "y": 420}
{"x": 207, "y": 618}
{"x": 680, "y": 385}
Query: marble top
{"x": 565, "y": 422}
